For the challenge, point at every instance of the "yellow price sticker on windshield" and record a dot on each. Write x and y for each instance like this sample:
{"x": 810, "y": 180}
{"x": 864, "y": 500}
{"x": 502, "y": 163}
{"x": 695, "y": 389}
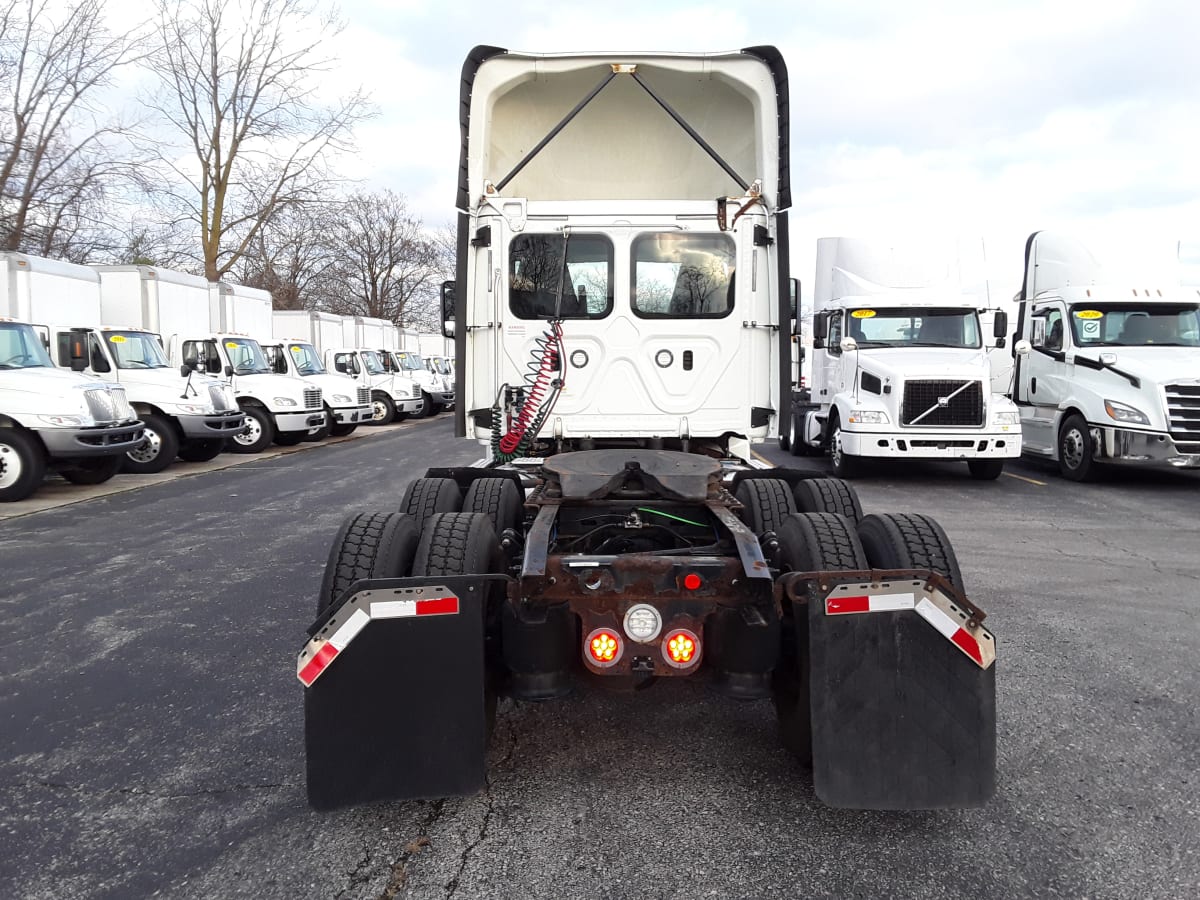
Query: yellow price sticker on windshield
{"x": 863, "y": 314}
{"x": 1089, "y": 314}
{"x": 231, "y": 345}
{"x": 296, "y": 351}
{"x": 117, "y": 339}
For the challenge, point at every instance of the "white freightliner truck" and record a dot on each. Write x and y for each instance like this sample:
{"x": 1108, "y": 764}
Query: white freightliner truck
{"x": 184, "y": 415}
{"x": 620, "y": 312}
{"x": 1114, "y": 375}
{"x": 293, "y": 351}
{"x": 50, "y": 418}
{"x": 900, "y": 370}
{"x": 401, "y": 354}
{"x": 217, "y": 340}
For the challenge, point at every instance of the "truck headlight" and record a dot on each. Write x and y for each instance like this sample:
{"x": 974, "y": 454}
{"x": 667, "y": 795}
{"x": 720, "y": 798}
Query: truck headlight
{"x": 1011, "y": 417}
{"x": 342, "y": 400}
{"x": 284, "y": 401}
{"x": 1123, "y": 412}
{"x": 66, "y": 421}
{"x": 868, "y": 417}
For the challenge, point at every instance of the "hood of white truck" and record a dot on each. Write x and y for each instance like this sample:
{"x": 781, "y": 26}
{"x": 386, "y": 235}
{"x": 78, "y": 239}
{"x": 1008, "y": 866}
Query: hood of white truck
{"x": 44, "y": 391}
{"x": 334, "y": 385}
{"x": 1154, "y": 365}
{"x": 925, "y": 362}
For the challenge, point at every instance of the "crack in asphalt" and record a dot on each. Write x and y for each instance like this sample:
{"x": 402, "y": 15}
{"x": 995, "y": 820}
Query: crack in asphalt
{"x": 143, "y": 792}
{"x": 452, "y": 885}
{"x": 357, "y": 876}
{"x": 399, "y": 871}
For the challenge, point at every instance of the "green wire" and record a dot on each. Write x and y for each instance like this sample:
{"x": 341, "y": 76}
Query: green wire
{"x": 656, "y": 512}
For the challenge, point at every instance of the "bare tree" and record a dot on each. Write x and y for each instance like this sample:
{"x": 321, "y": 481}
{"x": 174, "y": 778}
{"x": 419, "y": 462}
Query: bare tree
{"x": 61, "y": 154}
{"x": 387, "y": 265}
{"x": 293, "y": 256}
{"x": 239, "y": 86}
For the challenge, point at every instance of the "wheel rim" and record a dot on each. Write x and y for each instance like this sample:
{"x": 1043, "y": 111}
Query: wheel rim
{"x": 10, "y": 466}
{"x": 252, "y": 436}
{"x": 378, "y": 410}
{"x": 149, "y": 451}
{"x": 1073, "y": 452}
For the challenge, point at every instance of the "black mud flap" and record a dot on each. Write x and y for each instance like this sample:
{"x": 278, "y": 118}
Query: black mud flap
{"x": 400, "y": 711}
{"x": 903, "y": 713}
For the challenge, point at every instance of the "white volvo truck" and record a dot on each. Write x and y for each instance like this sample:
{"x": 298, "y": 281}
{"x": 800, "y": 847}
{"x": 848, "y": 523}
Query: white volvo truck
{"x": 1114, "y": 376}
{"x": 900, "y": 370}
{"x": 621, "y": 316}
{"x": 292, "y": 350}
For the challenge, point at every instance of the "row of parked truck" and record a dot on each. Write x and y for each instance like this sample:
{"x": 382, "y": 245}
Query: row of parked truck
{"x": 1093, "y": 373}
{"x": 126, "y": 368}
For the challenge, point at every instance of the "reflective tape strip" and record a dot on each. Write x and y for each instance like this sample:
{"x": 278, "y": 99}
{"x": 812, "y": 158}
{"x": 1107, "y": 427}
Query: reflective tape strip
{"x": 951, "y": 629}
{"x": 317, "y": 664}
{"x": 403, "y": 609}
{"x": 864, "y": 603}
{"x": 350, "y": 629}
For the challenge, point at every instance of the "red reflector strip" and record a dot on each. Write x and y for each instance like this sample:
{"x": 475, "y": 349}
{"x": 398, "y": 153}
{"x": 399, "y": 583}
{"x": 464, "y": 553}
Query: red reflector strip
{"x": 439, "y": 606}
{"x": 958, "y": 635}
{"x": 402, "y": 609}
{"x": 317, "y": 664}
{"x": 864, "y": 603}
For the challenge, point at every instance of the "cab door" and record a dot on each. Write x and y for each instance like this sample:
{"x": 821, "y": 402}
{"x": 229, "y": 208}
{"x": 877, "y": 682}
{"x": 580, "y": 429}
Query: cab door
{"x": 1045, "y": 376}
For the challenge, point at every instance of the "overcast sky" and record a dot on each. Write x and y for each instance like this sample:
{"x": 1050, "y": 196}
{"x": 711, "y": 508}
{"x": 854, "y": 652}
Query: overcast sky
{"x": 976, "y": 121}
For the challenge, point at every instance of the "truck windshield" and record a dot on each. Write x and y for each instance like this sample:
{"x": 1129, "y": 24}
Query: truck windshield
{"x": 1135, "y": 324}
{"x": 914, "y": 327}
{"x": 371, "y": 362}
{"x": 410, "y": 360}
{"x": 439, "y": 363}
{"x": 305, "y": 359}
{"x": 135, "y": 350}
{"x": 20, "y": 348}
{"x": 246, "y": 356}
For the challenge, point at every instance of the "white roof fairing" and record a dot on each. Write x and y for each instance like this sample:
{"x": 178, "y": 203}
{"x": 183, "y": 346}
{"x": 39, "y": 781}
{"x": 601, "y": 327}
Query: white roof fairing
{"x": 623, "y": 145}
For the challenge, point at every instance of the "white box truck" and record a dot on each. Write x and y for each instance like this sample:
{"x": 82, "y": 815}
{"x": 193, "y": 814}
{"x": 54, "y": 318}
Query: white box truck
{"x": 294, "y": 350}
{"x": 1114, "y": 374}
{"x": 622, "y": 339}
{"x": 900, "y": 369}
{"x": 61, "y": 420}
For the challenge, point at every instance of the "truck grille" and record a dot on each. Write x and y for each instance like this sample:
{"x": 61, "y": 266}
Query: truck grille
{"x": 1183, "y": 416}
{"x": 364, "y": 396}
{"x": 312, "y": 398}
{"x": 108, "y": 404}
{"x": 922, "y": 404}
{"x": 221, "y": 398}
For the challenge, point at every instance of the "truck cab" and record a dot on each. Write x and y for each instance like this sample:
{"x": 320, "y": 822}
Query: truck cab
{"x": 277, "y": 408}
{"x": 55, "y": 419}
{"x": 190, "y": 416}
{"x": 899, "y": 370}
{"x": 1114, "y": 373}
{"x": 437, "y": 392}
{"x": 393, "y": 395}
{"x": 347, "y": 401}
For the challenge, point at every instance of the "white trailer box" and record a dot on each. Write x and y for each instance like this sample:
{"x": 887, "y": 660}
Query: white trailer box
{"x": 49, "y": 291}
{"x": 158, "y": 300}
{"x": 321, "y": 329}
{"x": 237, "y": 309}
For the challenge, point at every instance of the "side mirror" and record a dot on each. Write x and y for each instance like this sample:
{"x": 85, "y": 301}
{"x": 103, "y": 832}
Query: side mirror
{"x": 185, "y": 370}
{"x": 228, "y": 369}
{"x": 79, "y": 353}
{"x": 820, "y": 327}
{"x": 448, "y": 309}
{"x": 848, "y": 344}
{"x": 1108, "y": 359}
{"x": 1022, "y": 348}
{"x": 793, "y": 296}
{"x": 1039, "y": 332}
{"x": 1000, "y": 326}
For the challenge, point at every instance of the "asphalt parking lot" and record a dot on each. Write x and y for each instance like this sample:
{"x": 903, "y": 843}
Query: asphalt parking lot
{"x": 150, "y": 721}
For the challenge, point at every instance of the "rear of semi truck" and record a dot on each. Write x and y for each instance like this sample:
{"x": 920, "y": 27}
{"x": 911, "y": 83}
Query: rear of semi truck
{"x": 621, "y": 314}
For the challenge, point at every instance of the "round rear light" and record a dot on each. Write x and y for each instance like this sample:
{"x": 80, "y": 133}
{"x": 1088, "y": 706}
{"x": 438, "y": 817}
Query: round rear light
{"x": 643, "y": 623}
{"x": 681, "y": 648}
{"x": 692, "y": 581}
{"x": 602, "y": 648}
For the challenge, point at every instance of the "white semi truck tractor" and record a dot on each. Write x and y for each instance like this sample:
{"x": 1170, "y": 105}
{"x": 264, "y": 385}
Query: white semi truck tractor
{"x": 621, "y": 313}
{"x": 1113, "y": 378}
{"x": 900, "y": 369}
{"x": 293, "y": 351}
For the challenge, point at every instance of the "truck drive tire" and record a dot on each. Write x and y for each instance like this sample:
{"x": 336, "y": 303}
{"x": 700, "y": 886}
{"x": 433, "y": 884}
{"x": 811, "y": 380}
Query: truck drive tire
{"x": 428, "y": 407}
{"x": 985, "y": 469}
{"x": 382, "y": 408}
{"x": 497, "y": 498}
{"x": 1076, "y": 460}
{"x": 159, "y": 450}
{"x": 785, "y": 438}
{"x": 288, "y": 438}
{"x": 260, "y": 435}
{"x": 765, "y": 502}
{"x": 96, "y": 470}
{"x": 342, "y": 429}
{"x": 909, "y": 541}
{"x": 827, "y": 495}
{"x": 808, "y": 542}
{"x": 22, "y": 465}
{"x": 319, "y": 434}
{"x": 843, "y": 465}
{"x": 427, "y": 496}
{"x": 368, "y": 545}
{"x": 201, "y": 450}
